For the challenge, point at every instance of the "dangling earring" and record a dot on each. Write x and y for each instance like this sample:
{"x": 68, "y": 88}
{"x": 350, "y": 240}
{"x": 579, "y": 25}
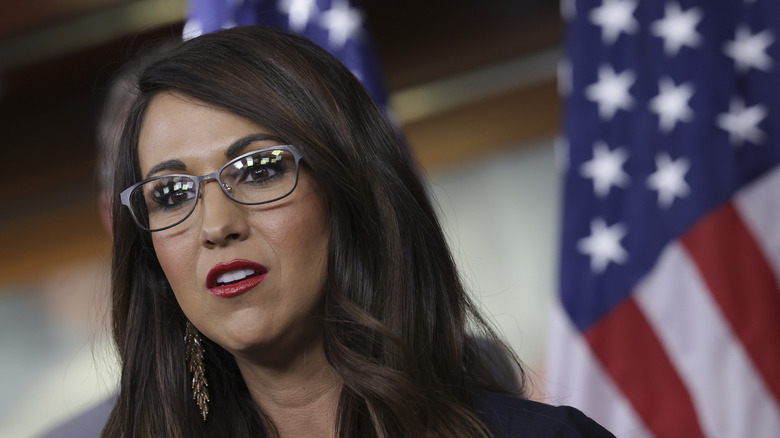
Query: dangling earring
{"x": 194, "y": 356}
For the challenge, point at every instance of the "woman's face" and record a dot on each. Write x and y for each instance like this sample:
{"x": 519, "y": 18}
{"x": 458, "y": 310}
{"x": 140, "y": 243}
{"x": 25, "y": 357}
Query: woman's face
{"x": 272, "y": 315}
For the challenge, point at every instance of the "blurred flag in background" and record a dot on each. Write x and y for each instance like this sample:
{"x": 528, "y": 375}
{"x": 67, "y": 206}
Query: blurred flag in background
{"x": 668, "y": 322}
{"x": 336, "y": 25}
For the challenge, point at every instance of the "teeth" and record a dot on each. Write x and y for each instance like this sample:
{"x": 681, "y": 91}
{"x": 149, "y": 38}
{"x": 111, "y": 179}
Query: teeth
{"x": 236, "y": 275}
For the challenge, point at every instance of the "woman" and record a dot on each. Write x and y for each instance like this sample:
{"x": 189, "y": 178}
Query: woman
{"x": 303, "y": 286}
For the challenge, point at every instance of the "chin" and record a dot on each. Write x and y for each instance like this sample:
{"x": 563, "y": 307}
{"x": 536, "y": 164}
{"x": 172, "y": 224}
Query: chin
{"x": 244, "y": 338}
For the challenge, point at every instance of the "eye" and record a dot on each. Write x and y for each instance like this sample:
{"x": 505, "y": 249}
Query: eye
{"x": 261, "y": 169}
{"x": 260, "y": 174}
{"x": 168, "y": 193}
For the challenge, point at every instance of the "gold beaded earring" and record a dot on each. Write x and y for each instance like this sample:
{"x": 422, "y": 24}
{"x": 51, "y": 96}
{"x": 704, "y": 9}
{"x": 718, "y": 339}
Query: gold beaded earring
{"x": 194, "y": 356}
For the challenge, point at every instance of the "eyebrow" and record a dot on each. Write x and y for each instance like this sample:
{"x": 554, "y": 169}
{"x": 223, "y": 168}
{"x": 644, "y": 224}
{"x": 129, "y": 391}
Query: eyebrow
{"x": 231, "y": 152}
{"x": 237, "y": 146}
{"x": 166, "y": 165}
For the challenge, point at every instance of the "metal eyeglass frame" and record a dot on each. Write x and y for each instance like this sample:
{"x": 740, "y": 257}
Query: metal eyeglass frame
{"x": 125, "y": 195}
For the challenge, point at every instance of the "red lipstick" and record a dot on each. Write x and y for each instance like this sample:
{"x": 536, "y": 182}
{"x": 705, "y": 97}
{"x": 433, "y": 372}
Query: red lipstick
{"x": 234, "y": 277}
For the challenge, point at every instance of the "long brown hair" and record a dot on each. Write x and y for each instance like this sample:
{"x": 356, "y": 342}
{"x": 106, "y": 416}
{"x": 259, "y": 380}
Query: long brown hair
{"x": 399, "y": 329}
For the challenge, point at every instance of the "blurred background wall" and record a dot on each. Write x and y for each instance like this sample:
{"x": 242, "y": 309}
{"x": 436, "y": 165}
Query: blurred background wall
{"x": 472, "y": 85}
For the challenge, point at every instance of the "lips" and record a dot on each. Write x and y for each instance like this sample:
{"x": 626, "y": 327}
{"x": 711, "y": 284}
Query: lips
{"x": 234, "y": 277}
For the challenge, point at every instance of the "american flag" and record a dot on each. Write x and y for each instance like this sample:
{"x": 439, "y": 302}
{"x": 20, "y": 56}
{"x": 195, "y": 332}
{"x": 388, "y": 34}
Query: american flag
{"x": 668, "y": 320}
{"x": 338, "y": 26}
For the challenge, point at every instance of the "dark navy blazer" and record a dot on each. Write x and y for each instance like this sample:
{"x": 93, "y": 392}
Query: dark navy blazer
{"x": 511, "y": 417}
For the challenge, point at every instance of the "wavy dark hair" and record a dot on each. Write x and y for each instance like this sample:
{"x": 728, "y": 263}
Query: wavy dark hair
{"x": 399, "y": 328}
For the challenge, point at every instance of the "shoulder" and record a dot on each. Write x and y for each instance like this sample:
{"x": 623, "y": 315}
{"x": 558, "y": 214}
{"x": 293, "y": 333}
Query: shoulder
{"x": 512, "y": 417}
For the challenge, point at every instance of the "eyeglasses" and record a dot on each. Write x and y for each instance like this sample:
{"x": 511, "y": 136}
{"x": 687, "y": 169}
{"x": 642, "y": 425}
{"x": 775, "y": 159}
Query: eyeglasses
{"x": 258, "y": 177}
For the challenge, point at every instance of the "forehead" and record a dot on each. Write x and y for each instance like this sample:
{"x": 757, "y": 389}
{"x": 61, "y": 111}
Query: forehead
{"x": 177, "y": 127}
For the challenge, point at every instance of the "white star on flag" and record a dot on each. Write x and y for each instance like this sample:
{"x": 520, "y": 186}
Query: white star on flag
{"x": 748, "y": 50}
{"x": 614, "y": 17}
{"x": 299, "y": 12}
{"x": 568, "y": 10}
{"x": 193, "y": 28}
{"x": 671, "y": 104}
{"x": 603, "y": 245}
{"x": 742, "y": 123}
{"x": 678, "y": 28}
{"x": 669, "y": 179}
{"x": 605, "y": 169}
{"x": 610, "y": 92}
{"x": 342, "y": 22}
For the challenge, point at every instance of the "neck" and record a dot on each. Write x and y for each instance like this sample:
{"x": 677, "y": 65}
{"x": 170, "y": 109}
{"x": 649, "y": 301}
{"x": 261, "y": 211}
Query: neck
{"x": 301, "y": 398}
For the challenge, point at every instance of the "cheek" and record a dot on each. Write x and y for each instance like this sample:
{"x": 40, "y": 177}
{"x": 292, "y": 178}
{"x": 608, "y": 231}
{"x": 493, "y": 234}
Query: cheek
{"x": 296, "y": 239}
{"x": 301, "y": 240}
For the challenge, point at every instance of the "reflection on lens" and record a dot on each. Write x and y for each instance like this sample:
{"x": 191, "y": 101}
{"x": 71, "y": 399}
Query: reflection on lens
{"x": 166, "y": 200}
{"x": 262, "y": 177}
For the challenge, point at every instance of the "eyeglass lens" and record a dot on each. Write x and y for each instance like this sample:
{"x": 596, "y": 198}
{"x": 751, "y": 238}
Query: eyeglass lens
{"x": 256, "y": 178}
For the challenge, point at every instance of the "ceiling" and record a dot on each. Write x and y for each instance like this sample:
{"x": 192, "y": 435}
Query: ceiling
{"x": 57, "y": 57}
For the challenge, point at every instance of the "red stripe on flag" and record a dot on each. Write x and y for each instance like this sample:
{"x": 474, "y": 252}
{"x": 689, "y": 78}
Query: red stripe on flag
{"x": 743, "y": 284}
{"x": 629, "y": 350}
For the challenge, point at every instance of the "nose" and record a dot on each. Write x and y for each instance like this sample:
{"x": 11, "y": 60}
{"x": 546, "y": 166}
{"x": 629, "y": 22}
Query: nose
{"x": 222, "y": 220}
